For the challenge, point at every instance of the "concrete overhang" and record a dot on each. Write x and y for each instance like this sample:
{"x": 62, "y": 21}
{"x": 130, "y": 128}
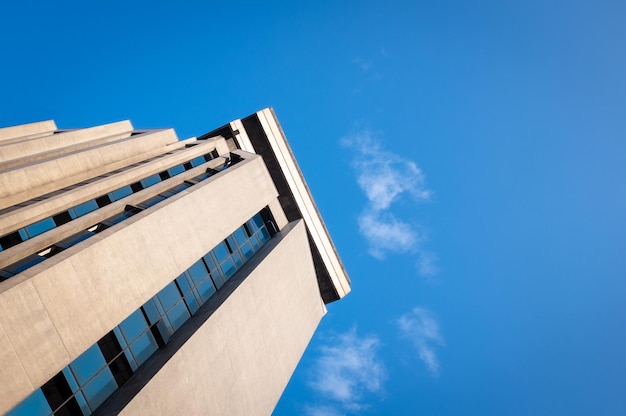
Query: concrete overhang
{"x": 261, "y": 133}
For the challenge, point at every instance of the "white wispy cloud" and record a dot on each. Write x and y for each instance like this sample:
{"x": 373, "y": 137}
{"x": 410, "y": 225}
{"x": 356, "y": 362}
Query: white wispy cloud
{"x": 365, "y": 65}
{"x": 422, "y": 329}
{"x": 322, "y": 410}
{"x": 347, "y": 372}
{"x": 427, "y": 264}
{"x": 385, "y": 233}
{"x": 385, "y": 177}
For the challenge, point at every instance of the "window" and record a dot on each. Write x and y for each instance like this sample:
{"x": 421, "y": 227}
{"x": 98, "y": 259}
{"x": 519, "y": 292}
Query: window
{"x": 62, "y": 218}
{"x": 92, "y": 377}
{"x": 150, "y": 180}
{"x": 121, "y": 193}
{"x": 10, "y": 240}
{"x": 103, "y": 201}
{"x": 37, "y": 228}
{"x": 118, "y": 363}
{"x": 136, "y": 187}
{"x": 34, "y": 405}
{"x": 86, "y": 207}
{"x": 135, "y": 334}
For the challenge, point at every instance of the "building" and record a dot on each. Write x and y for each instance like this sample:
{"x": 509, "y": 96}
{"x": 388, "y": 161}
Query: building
{"x": 145, "y": 275}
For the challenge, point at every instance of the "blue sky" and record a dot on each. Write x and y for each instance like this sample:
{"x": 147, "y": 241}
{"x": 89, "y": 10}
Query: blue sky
{"x": 468, "y": 159}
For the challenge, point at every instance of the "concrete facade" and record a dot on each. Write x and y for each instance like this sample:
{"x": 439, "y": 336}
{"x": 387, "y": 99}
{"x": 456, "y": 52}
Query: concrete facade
{"x": 97, "y": 223}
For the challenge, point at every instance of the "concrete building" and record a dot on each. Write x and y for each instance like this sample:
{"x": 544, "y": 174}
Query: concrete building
{"x": 145, "y": 275}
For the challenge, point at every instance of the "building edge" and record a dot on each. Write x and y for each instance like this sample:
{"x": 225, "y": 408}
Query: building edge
{"x": 261, "y": 133}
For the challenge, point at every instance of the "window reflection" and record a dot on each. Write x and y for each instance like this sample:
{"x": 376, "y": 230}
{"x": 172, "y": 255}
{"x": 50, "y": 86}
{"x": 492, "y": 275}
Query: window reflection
{"x": 86, "y": 207}
{"x": 92, "y": 377}
{"x": 33, "y": 405}
{"x": 86, "y": 365}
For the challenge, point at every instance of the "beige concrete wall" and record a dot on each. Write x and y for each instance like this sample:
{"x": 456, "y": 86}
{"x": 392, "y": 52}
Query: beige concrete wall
{"x": 52, "y": 312}
{"x": 15, "y": 219}
{"x": 20, "y": 184}
{"x": 45, "y": 240}
{"x": 305, "y": 201}
{"x": 38, "y": 129}
{"x": 22, "y": 149}
{"x": 240, "y": 360}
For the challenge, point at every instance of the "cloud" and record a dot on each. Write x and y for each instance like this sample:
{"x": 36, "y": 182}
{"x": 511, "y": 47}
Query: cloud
{"x": 347, "y": 373}
{"x": 385, "y": 177}
{"x": 427, "y": 264}
{"x": 386, "y": 233}
{"x": 363, "y": 64}
{"x": 422, "y": 329}
{"x": 322, "y": 410}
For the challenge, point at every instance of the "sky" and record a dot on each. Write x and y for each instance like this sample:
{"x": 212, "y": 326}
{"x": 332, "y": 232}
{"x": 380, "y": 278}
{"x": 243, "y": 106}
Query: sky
{"x": 468, "y": 158}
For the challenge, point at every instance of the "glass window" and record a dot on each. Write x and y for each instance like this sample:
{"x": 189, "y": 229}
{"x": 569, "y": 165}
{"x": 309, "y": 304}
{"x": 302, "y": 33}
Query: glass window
{"x": 143, "y": 347}
{"x": 150, "y": 202}
{"x": 217, "y": 278}
{"x": 232, "y": 243}
{"x": 40, "y": 227}
{"x": 119, "y": 217}
{"x": 121, "y": 369}
{"x": 120, "y": 337}
{"x": 198, "y": 271}
{"x": 192, "y": 303}
{"x": 87, "y": 364}
{"x": 206, "y": 289}
{"x": 203, "y": 176}
{"x": 257, "y": 220}
{"x": 247, "y": 230}
{"x": 34, "y": 405}
{"x": 93, "y": 376}
{"x": 131, "y": 360}
{"x": 264, "y": 235}
{"x": 175, "y": 170}
{"x": 210, "y": 261}
{"x": 71, "y": 407}
{"x": 75, "y": 239}
{"x": 197, "y": 161}
{"x": 228, "y": 268}
{"x": 165, "y": 330}
{"x": 79, "y": 398}
{"x": 221, "y": 251}
{"x": 85, "y": 208}
{"x": 151, "y": 180}
{"x": 101, "y": 387}
{"x": 151, "y": 311}
{"x": 238, "y": 260}
{"x": 176, "y": 189}
{"x": 121, "y": 193}
{"x": 62, "y": 218}
{"x": 183, "y": 284}
{"x": 169, "y": 295}
{"x": 11, "y": 240}
{"x": 103, "y": 201}
{"x": 69, "y": 377}
{"x": 133, "y": 326}
{"x": 178, "y": 315}
{"x": 24, "y": 264}
{"x": 240, "y": 235}
{"x": 57, "y": 391}
{"x": 255, "y": 243}
{"x": 247, "y": 250}
{"x": 136, "y": 187}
